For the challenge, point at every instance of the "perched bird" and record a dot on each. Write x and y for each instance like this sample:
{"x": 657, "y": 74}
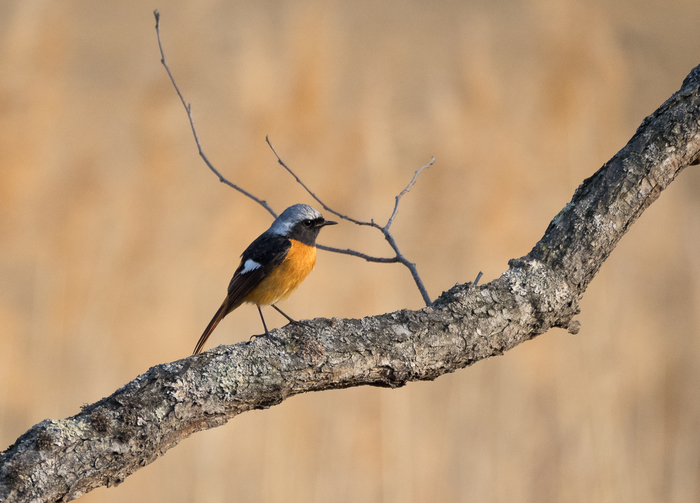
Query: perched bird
{"x": 274, "y": 265}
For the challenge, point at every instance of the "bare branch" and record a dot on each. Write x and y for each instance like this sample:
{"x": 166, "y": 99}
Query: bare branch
{"x": 112, "y": 438}
{"x": 325, "y": 207}
{"x": 385, "y": 230}
{"x": 410, "y": 265}
{"x": 368, "y": 258}
{"x": 398, "y": 258}
{"x": 188, "y": 108}
{"x": 404, "y": 191}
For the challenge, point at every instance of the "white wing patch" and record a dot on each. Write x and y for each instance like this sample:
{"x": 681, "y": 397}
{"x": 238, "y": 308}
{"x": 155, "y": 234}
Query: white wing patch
{"x": 250, "y": 265}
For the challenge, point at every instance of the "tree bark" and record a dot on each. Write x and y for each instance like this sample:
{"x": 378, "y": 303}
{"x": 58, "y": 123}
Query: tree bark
{"x": 110, "y": 439}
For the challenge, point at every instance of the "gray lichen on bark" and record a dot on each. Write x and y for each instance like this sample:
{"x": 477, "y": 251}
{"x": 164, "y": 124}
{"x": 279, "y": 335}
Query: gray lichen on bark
{"x": 110, "y": 439}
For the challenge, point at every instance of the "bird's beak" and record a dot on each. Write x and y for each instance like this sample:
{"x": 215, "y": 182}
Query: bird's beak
{"x": 327, "y": 222}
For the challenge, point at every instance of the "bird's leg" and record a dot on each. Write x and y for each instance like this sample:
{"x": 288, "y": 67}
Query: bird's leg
{"x": 295, "y": 322}
{"x": 292, "y": 321}
{"x": 267, "y": 334}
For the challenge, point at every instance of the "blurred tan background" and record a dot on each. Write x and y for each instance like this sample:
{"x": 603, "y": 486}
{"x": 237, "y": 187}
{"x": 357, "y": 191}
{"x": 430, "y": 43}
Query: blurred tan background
{"x": 117, "y": 244}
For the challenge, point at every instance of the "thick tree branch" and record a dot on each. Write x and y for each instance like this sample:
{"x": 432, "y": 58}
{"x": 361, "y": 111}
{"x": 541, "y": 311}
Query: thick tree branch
{"x": 110, "y": 439}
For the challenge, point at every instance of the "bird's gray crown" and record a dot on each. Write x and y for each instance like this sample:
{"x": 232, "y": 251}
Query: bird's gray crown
{"x": 292, "y": 216}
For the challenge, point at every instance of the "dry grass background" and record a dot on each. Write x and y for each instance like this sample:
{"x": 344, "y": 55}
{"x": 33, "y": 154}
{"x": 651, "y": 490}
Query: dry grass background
{"x": 116, "y": 243}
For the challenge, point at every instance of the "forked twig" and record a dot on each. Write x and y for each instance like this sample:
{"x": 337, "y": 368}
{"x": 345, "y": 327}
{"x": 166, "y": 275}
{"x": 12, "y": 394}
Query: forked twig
{"x": 397, "y": 258}
{"x": 385, "y": 229}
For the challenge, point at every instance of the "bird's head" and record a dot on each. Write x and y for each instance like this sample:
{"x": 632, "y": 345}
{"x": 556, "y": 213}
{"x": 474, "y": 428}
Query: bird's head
{"x": 300, "y": 222}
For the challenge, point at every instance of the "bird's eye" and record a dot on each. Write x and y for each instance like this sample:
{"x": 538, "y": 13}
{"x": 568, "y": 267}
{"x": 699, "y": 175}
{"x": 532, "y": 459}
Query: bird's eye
{"x": 307, "y": 223}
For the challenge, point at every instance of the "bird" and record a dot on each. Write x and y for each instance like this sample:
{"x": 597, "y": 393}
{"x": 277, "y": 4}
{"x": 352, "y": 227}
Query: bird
{"x": 273, "y": 266}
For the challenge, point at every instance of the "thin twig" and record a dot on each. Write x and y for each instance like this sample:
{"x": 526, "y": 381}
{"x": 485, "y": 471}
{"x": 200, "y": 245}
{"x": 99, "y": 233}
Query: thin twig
{"x": 407, "y": 189}
{"x": 410, "y": 265}
{"x": 188, "y": 108}
{"x": 368, "y": 258}
{"x": 325, "y": 207}
{"x": 399, "y": 258}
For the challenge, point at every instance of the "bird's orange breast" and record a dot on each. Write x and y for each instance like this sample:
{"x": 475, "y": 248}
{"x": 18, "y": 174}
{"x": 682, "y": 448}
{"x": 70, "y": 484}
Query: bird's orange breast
{"x": 286, "y": 277}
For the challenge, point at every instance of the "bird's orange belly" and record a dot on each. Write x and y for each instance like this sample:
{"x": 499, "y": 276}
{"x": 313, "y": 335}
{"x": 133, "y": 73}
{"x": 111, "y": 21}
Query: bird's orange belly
{"x": 286, "y": 277}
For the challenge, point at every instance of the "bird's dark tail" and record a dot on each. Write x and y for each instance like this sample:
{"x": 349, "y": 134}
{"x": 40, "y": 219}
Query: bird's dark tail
{"x": 223, "y": 311}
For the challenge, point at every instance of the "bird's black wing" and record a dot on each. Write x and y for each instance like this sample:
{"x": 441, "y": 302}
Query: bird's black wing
{"x": 268, "y": 251}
